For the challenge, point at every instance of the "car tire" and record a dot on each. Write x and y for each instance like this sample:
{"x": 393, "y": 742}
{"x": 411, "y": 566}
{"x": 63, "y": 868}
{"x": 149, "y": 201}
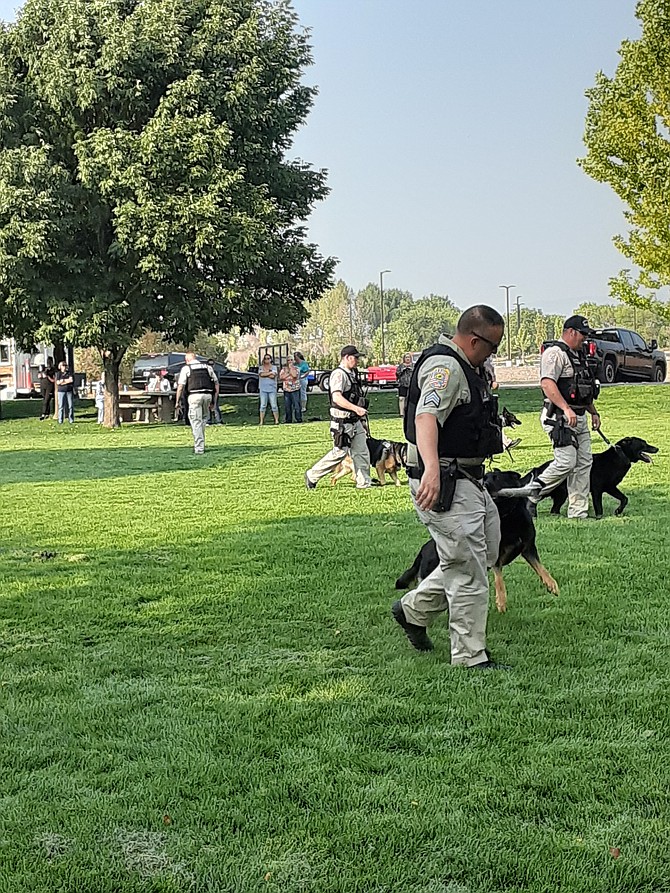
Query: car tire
{"x": 324, "y": 381}
{"x": 609, "y": 372}
{"x": 250, "y": 387}
{"x": 659, "y": 373}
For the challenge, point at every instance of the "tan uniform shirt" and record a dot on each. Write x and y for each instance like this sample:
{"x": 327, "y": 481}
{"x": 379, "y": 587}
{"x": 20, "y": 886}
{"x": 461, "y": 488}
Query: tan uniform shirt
{"x": 443, "y": 387}
{"x": 556, "y": 364}
{"x": 340, "y": 380}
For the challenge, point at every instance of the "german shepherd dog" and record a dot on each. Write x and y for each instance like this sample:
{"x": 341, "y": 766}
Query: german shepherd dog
{"x": 517, "y": 537}
{"x": 386, "y": 456}
{"x": 509, "y": 420}
{"x": 608, "y": 470}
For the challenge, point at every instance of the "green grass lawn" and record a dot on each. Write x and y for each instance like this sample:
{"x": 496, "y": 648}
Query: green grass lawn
{"x": 204, "y": 690}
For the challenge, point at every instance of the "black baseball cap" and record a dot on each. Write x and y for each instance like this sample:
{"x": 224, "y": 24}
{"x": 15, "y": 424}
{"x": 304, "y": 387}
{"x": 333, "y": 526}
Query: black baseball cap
{"x": 579, "y": 324}
{"x": 349, "y": 351}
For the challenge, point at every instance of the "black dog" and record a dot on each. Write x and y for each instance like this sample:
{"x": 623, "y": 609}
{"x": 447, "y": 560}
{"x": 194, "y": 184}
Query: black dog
{"x": 517, "y": 537}
{"x": 509, "y": 420}
{"x": 607, "y": 472}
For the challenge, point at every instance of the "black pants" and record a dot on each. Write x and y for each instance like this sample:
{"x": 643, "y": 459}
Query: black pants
{"x": 47, "y": 401}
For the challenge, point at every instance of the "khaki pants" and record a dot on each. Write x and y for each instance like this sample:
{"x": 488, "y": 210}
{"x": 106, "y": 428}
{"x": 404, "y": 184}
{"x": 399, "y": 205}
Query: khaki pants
{"x": 467, "y": 539}
{"x": 198, "y": 413}
{"x": 358, "y": 451}
{"x": 402, "y": 403}
{"x": 571, "y": 464}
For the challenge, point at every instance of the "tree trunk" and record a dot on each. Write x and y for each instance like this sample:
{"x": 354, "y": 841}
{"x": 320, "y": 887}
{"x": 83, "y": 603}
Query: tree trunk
{"x": 111, "y": 362}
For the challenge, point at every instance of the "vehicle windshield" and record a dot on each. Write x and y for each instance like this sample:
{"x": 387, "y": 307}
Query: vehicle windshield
{"x": 160, "y": 361}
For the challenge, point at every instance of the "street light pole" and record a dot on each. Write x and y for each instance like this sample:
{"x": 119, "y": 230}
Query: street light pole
{"x": 381, "y": 297}
{"x": 509, "y": 339}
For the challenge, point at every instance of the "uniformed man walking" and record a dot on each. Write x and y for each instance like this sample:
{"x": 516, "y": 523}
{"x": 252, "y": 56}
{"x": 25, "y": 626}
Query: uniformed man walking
{"x": 348, "y": 409}
{"x": 199, "y": 382}
{"x": 452, "y": 426}
{"x": 570, "y": 388}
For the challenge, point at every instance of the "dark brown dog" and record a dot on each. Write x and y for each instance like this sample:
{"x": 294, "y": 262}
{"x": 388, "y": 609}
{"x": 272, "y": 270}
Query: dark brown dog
{"x": 386, "y": 457}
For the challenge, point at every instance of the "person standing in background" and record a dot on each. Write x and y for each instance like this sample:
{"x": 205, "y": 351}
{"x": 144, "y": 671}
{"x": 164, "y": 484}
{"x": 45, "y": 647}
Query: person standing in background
{"x": 404, "y": 376}
{"x": 65, "y": 385}
{"x": 267, "y": 381}
{"x": 47, "y": 378}
{"x": 290, "y": 379}
{"x": 303, "y": 370}
{"x": 100, "y": 399}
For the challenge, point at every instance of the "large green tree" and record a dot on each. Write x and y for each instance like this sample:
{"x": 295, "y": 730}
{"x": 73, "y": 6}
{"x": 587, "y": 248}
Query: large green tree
{"x": 143, "y": 173}
{"x": 628, "y": 142}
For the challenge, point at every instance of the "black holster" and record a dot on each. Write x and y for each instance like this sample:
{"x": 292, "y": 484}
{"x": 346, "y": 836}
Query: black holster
{"x": 340, "y": 438}
{"x": 448, "y": 477}
{"x": 561, "y": 434}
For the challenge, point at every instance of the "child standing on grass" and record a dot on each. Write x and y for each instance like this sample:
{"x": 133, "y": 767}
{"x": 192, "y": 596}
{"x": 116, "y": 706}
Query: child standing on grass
{"x": 100, "y": 399}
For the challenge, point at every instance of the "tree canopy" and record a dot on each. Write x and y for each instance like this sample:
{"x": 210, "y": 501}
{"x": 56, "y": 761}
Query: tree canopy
{"x": 143, "y": 173}
{"x": 628, "y": 142}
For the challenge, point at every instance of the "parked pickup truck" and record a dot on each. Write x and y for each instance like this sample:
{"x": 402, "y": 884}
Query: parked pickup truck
{"x": 623, "y": 354}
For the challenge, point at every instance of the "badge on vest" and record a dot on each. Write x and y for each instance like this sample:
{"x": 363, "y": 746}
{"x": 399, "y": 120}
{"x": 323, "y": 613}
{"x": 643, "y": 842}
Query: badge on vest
{"x": 439, "y": 379}
{"x": 432, "y": 398}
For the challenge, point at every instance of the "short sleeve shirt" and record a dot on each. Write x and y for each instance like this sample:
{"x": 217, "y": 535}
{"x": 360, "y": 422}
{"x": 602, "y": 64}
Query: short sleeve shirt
{"x": 443, "y": 383}
{"x": 268, "y": 385}
{"x": 289, "y": 383}
{"x": 186, "y": 371}
{"x": 443, "y": 387}
{"x": 555, "y": 364}
{"x": 340, "y": 380}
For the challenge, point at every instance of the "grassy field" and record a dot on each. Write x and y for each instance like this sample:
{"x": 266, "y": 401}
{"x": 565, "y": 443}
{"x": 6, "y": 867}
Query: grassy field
{"x": 203, "y": 690}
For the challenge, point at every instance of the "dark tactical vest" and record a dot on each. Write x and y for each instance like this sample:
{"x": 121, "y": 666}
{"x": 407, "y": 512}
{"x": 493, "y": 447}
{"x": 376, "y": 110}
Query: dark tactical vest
{"x": 472, "y": 430}
{"x": 353, "y": 393}
{"x": 199, "y": 381}
{"x": 582, "y": 388}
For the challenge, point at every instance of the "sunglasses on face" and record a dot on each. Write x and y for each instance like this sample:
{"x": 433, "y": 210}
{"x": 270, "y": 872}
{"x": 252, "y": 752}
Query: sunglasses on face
{"x": 492, "y": 344}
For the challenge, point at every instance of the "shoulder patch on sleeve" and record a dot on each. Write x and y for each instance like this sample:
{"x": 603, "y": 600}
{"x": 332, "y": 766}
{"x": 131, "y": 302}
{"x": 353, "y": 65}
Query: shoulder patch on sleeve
{"x": 439, "y": 378}
{"x": 432, "y": 398}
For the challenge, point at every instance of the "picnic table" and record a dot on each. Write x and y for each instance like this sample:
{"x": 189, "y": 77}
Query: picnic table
{"x": 147, "y": 407}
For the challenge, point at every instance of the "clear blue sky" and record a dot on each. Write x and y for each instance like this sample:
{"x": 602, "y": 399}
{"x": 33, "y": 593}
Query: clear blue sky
{"x": 450, "y": 131}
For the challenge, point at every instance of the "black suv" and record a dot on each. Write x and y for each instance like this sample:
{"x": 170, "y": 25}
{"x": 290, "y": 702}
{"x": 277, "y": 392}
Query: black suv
{"x": 230, "y": 382}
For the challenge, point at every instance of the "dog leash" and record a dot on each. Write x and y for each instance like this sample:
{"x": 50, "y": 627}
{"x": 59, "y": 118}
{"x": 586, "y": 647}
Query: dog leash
{"x": 607, "y": 441}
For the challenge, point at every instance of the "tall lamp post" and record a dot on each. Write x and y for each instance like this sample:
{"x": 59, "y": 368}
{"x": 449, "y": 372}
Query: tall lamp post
{"x": 509, "y": 340}
{"x": 381, "y": 298}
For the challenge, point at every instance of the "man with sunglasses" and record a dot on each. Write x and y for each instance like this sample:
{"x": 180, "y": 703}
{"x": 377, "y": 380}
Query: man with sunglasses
{"x": 452, "y": 426}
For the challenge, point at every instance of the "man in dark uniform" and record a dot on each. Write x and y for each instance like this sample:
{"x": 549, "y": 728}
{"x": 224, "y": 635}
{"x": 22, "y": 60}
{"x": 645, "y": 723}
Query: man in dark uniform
{"x": 452, "y": 426}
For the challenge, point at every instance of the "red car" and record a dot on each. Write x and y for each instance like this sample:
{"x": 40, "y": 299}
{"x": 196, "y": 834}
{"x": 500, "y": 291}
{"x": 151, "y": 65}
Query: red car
{"x": 384, "y": 375}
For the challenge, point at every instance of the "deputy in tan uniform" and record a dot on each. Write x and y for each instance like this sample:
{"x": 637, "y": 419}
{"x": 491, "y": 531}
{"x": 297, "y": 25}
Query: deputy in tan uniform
{"x": 348, "y": 410}
{"x": 452, "y": 426}
{"x": 569, "y": 388}
{"x": 202, "y": 388}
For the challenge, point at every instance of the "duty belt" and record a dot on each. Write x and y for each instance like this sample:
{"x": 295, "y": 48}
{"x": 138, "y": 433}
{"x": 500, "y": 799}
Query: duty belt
{"x": 466, "y": 472}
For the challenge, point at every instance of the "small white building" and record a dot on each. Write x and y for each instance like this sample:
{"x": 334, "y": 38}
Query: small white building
{"x": 18, "y": 370}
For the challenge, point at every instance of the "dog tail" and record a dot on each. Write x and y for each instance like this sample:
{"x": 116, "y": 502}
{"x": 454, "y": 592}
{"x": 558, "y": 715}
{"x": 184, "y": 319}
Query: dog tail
{"x": 406, "y": 579}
